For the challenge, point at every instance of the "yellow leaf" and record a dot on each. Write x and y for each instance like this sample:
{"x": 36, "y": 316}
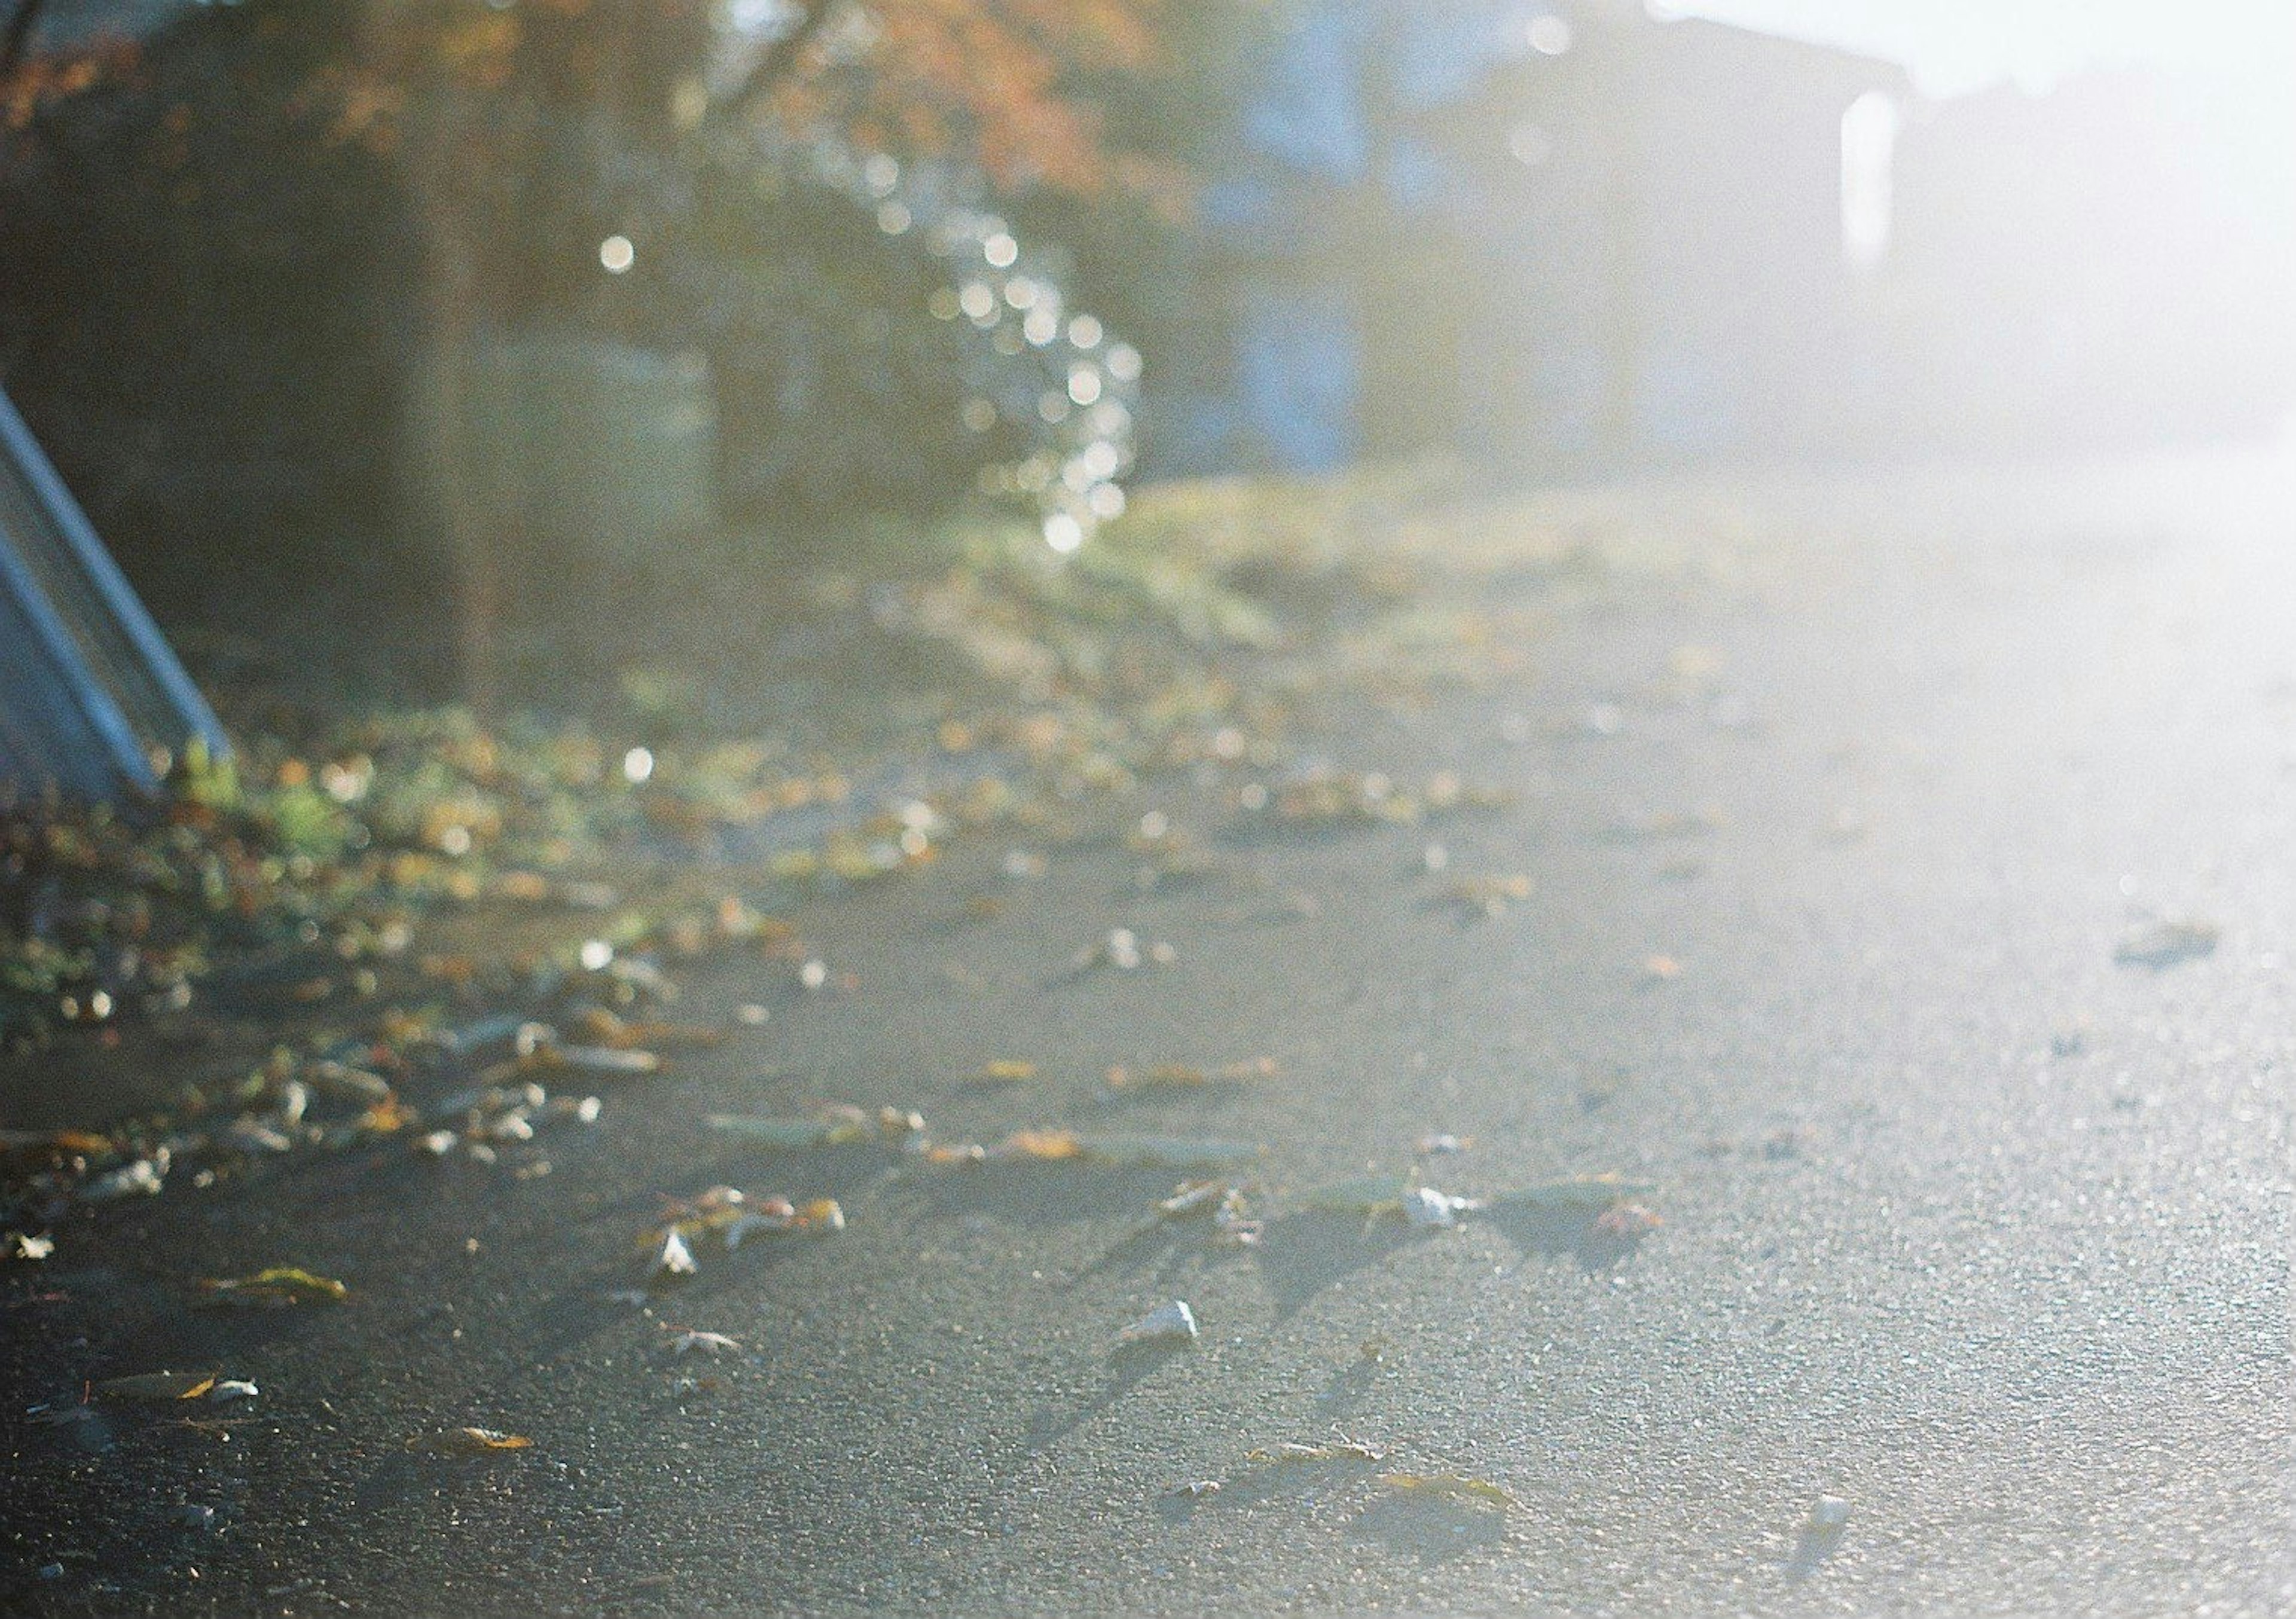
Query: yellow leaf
{"x": 1452, "y": 1486}
{"x": 468, "y": 1442}
{"x": 279, "y": 1284}
{"x": 1042, "y": 1144}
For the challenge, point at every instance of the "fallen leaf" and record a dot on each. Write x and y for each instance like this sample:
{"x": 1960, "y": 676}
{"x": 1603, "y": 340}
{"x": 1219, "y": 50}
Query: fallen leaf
{"x": 1005, "y": 1073}
{"x": 278, "y": 1285}
{"x": 54, "y": 1143}
{"x": 468, "y": 1442}
{"x": 675, "y": 1259}
{"x": 702, "y": 1343}
{"x": 596, "y": 1062}
{"x": 2165, "y": 944}
{"x": 1044, "y": 1146}
{"x": 23, "y": 1244}
{"x": 141, "y": 1179}
{"x": 1426, "y": 1209}
{"x": 1342, "y": 1448}
{"x": 1199, "y": 1198}
{"x": 835, "y": 1126}
{"x": 1169, "y": 1323}
{"x": 1454, "y": 1487}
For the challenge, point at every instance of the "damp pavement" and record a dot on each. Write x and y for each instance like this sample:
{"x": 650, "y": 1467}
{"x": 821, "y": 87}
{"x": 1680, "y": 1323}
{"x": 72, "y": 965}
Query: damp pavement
{"x": 1836, "y": 797}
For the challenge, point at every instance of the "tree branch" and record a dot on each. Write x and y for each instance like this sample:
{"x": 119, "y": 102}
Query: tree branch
{"x": 20, "y": 32}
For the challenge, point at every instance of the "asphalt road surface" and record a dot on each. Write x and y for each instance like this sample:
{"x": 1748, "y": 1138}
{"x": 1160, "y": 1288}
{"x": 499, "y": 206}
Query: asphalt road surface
{"x": 1836, "y": 796}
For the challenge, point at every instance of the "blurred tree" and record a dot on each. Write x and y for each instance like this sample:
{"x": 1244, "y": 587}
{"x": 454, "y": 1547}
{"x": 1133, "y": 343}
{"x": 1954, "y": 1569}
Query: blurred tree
{"x": 420, "y": 173}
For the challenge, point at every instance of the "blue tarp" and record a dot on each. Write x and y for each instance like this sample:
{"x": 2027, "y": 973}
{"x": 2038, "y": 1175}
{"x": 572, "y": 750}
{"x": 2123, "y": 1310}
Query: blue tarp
{"x": 93, "y": 701}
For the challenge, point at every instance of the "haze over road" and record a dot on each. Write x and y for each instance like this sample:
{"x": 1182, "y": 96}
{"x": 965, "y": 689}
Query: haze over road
{"x": 1965, "y": 1222}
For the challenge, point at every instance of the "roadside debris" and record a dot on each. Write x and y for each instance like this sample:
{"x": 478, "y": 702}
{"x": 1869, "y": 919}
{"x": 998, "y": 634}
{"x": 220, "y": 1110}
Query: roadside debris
{"x": 26, "y": 1245}
{"x": 2166, "y": 943}
{"x": 1201, "y": 1489}
{"x": 1002, "y": 1072}
{"x": 1172, "y": 1323}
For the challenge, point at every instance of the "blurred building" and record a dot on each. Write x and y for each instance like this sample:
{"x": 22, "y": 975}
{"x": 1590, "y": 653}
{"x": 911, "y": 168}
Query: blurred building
{"x": 1564, "y": 235}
